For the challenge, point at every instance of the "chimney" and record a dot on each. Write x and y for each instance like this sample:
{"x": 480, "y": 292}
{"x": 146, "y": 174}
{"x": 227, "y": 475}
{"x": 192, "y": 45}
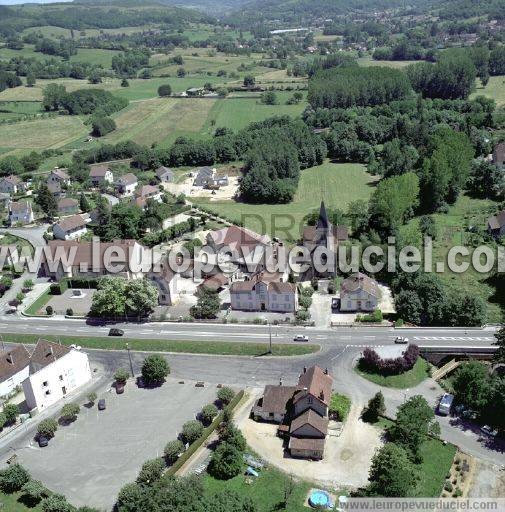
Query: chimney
{"x": 304, "y": 369}
{"x": 321, "y": 395}
{"x": 10, "y": 358}
{"x": 280, "y": 381}
{"x": 326, "y": 371}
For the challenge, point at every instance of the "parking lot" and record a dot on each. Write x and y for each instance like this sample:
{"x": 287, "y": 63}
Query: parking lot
{"x": 90, "y": 460}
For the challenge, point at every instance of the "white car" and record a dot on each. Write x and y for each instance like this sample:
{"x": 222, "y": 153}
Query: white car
{"x": 301, "y": 337}
{"x": 488, "y": 431}
{"x": 401, "y": 339}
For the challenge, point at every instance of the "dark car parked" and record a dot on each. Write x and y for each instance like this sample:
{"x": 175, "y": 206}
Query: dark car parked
{"x": 101, "y": 404}
{"x": 43, "y": 441}
{"x": 116, "y": 332}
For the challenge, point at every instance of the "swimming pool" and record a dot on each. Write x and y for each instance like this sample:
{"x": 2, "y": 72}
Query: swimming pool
{"x": 320, "y": 498}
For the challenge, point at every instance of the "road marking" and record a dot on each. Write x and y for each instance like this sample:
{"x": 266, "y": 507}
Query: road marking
{"x": 454, "y": 338}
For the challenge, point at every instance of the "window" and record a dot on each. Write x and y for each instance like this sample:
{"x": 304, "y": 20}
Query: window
{"x": 45, "y": 383}
{"x": 48, "y": 392}
{"x": 61, "y": 377}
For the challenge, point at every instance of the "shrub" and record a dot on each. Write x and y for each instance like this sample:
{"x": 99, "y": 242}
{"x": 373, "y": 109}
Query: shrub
{"x": 13, "y": 478}
{"x": 226, "y": 462}
{"x": 121, "y": 375}
{"x": 394, "y": 366}
{"x": 11, "y": 412}
{"x": 56, "y": 503}
{"x": 70, "y": 312}
{"x": 302, "y": 315}
{"x": 448, "y": 486}
{"x": 33, "y": 491}
{"x": 102, "y": 126}
{"x": 92, "y": 397}
{"x": 191, "y": 431}
{"x": 70, "y": 411}
{"x": 155, "y": 369}
{"x": 225, "y": 395}
{"x": 49, "y": 310}
{"x": 173, "y": 450}
{"x": 3, "y": 420}
{"x": 164, "y": 90}
{"x": 47, "y": 428}
{"x": 230, "y": 434}
{"x": 209, "y": 412}
{"x": 151, "y": 471}
{"x": 339, "y": 406}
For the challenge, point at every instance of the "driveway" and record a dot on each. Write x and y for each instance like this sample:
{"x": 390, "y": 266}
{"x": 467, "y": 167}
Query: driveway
{"x": 90, "y": 460}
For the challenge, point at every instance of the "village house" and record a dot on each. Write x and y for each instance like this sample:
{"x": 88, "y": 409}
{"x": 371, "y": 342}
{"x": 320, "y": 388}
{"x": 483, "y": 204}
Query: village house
{"x": 12, "y": 185}
{"x": 165, "y": 175}
{"x": 71, "y": 228}
{"x": 59, "y": 176}
{"x": 499, "y": 154}
{"x": 496, "y": 224}
{"x": 203, "y": 176}
{"x": 20, "y": 212}
{"x": 55, "y": 188}
{"x": 14, "y": 368}
{"x": 55, "y": 371}
{"x": 99, "y": 174}
{"x": 218, "y": 181}
{"x": 67, "y": 206}
{"x": 359, "y": 293}
{"x": 146, "y": 192}
{"x": 264, "y": 292}
{"x": 166, "y": 281}
{"x": 301, "y": 411}
{"x": 127, "y": 184}
{"x": 323, "y": 235}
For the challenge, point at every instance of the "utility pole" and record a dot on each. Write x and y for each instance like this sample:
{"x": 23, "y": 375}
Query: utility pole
{"x": 130, "y": 358}
{"x": 270, "y": 337}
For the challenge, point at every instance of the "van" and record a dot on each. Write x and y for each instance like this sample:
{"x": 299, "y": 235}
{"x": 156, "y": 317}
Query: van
{"x": 445, "y": 404}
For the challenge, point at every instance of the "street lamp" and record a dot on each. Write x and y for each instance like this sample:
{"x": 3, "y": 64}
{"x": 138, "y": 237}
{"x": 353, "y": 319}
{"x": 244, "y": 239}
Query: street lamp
{"x": 130, "y": 358}
{"x": 270, "y": 337}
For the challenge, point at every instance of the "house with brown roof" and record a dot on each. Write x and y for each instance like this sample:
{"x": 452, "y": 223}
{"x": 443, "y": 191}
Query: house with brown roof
{"x": 496, "y": 224}
{"x": 67, "y": 206}
{"x": 55, "y": 371}
{"x": 71, "y": 228}
{"x": 14, "y": 368}
{"x": 146, "y": 192}
{"x": 99, "y": 174}
{"x": 499, "y": 154}
{"x": 55, "y": 188}
{"x": 359, "y": 292}
{"x": 59, "y": 176}
{"x": 20, "y": 212}
{"x": 11, "y": 185}
{"x": 127, "y": 184}
{"x": 301, "y": 411}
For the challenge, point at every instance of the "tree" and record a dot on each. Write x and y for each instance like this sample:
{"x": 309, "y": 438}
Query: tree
{"x": 268, "y": 98}
{"x": 249, "y": 81}
{"x": 70, "y": 411}
{"x": 415, "y": 421}
{"x": 209, "y": 412}
{"x": 191, "y": 431}
{"x": 10, "y": 165}
{"x": 56, "y": 503}
{"x": 33, "y": 491}
{"x": 392, "y": 474}
{"x": 230, "y": 434}
{"x": 102, "y": 125}
{"x": 155, "y": 369}
{"x": 164, "y": 90}
{"x": 226, "y": 462}
{"x": 13, "y": 478}
{"x": 30, "y": 80}
{"x": 121, "y": 375}
{"x": 53, "y": 97}
{"x": 408, "y": 306}
{"x": 207, "y": 305}
{"x": 375, "y": 408}
{"x": 46, "y": 201}
{"x": 11, "y": 412}
{"x": 141, "y": 297}
{"x": 225, "y": 395}
{"x": 172, "y": 450}
{"x": 92, "y": 397}
{"x": 499, "y": 355}
{"x": 28, "y": 284}
{"x": 471, "y": 385}
{"x": 181, "y": 72}
{"x": 151, "y": 471}
{"x": 132, "y": 498}
{"x": 125, "y": 83}
{"x": 84, "y": 203}
{"x": 109, "y": 299}
{"x": 487, "y": 180}
{"x": 47, "y": 428}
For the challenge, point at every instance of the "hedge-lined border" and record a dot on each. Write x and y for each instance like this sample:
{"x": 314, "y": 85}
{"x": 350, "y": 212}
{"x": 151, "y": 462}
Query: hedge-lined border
{"x": 206, "y": 433}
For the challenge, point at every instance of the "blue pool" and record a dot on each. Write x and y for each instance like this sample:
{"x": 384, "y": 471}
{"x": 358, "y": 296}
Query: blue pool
{"x": 320, "y": 498}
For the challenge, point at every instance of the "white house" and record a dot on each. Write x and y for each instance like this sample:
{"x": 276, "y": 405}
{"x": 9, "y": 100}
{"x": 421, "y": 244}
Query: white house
{"x": 55, "y": 371}
{"x": 20, "y": 212}
{"x": 11, "y": 185}
{"x": 359, "y": 293}
{"x": 99, "y": 174}
{"x": 71, "y": 228}
{"x": 58, "y": 176}
{"x": 127, "y": 184}
{"x": 14, "y": 368}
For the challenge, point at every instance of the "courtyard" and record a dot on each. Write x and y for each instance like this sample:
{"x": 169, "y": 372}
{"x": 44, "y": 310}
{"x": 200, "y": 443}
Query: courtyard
{"x": 92, "y": 458}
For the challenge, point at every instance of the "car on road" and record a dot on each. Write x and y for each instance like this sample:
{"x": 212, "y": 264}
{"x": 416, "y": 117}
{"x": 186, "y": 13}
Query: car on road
{"x": 335, "y": 303}
{"x": 445, "y": 404}
{"x": 401, "y": 339}
{"x": 101, "y": 404}
{"x": 301, "y": 337}
{"x": 43, "y": 441}
{"x": 116, "y": 332}
{"x": 488, "y": 431}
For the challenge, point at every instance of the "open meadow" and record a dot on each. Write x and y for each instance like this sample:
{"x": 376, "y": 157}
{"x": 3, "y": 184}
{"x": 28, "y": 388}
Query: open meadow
{"x": 494, "y": 89}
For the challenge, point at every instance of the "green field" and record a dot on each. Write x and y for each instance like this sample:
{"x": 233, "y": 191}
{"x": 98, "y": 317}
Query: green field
{"x": 95, "y": 56}
{"x": 267, "y": 491}
{"x": 12, "y": 503}
{"x": 495, "y": 89}
{"x": 397, "y": 64}
{"x": 337, "y": 184}
{"x": 17, "y": 109}
{"x": 407, "y": 379}
{"x": 161, "y": 345}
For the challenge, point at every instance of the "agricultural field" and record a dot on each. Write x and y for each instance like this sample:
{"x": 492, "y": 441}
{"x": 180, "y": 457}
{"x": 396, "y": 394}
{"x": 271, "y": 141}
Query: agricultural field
{"x": 495, "y": 89}
{"x": 17, "y": 109}
{"x": 337, "y": 184}
{"x": 95, "y": 56}
{"x": 27, "y": 51}
{"x": 397, "y": 64}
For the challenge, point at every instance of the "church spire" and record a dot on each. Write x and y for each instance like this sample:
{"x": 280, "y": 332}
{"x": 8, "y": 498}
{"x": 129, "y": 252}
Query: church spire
{"x": 323, "y": 222}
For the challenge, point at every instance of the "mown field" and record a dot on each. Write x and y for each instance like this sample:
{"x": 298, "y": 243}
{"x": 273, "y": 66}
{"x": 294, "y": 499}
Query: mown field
{"x": 398, "y": 64}
{"x": 495, "y": 89}
{"x": 337, "y": 184}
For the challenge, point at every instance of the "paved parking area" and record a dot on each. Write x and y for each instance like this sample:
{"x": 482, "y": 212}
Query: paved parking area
{"x": 80, "y": 304}
{"x": 90, "y": 460}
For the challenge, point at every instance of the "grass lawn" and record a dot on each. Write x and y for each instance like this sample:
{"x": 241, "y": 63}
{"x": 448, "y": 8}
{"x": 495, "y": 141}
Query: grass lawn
{"x": 397, "y": 64}
{"x": 267, "y": 491}
{"x": 11, "y": 503}
{"x": 337, "y": 184}
{"x": 407, "y": 379}
{"x": 495, "y": 89}
{"x": 437, "y": 461}
{"x": 161, "y": 345}
{"x": 16, "y": 109}
{"x": 37, "y": 306}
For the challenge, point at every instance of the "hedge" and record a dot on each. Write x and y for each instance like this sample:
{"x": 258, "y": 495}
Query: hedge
{"x": 73, "y": 282}
{"x": 206, "y": 433}
{"x": 371, "y": 361}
